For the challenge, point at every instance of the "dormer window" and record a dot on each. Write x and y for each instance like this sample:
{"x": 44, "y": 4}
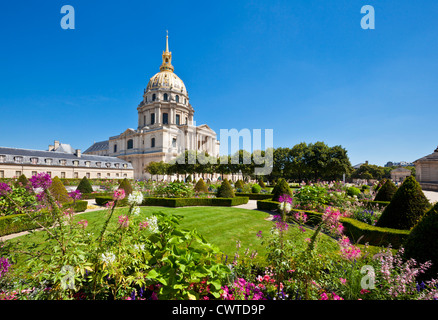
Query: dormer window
{"x": 49, "y": 161}
{"x": 2, "y": 158}
{"x": 76, "y": 163}
{"x": 34, "y": 160}
{"x": 18, "y": 159}
{"x": 63, "y": 162}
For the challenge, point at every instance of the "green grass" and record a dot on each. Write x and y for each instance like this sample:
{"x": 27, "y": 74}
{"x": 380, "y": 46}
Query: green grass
{"x": 222, "y": 226}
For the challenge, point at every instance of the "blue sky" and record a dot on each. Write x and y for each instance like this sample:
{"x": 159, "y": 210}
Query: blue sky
{"x": 303, "y": 68}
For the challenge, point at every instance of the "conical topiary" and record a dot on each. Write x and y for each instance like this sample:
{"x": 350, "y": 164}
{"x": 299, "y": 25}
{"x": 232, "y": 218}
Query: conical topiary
{"x": 126, "y": 185}
{"x": 225, "y": 190}
{"x": 262, "y": 183}
{"x": 239, "y": 184}
{"x": 407, "y": 207}
{"x": 201, "y": 186}
{"x": 422, "y": 242}
{"x": 280, "y": 188}
{"x": 22, "y": 180}
{"x": 386, "y": 191}
{"x": 58, "y": 191}
{"x": 85, "y": 186}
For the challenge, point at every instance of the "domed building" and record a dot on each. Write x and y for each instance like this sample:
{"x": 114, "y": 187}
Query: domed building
{"x": 165, "y": 125}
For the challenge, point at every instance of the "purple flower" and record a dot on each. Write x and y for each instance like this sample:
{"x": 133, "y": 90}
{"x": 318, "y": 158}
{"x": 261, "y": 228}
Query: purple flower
{"x": 259, "y": 234}
{"x": 4, "y": 188}
{"x": 41, "y": 180}
{"x": 4, "y": 266}
{"x": 285, "y": 198}
{"x": 75, "y": 195}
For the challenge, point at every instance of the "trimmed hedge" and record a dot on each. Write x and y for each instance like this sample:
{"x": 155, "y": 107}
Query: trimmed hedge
{"x": 255, "y": 196}
{"x": 369, "y": 203}
{"x": 86, "y": 196}
{"x": 355, "y": 229}
{"x": 185, "y": 202}
{"x": 79, "y": 205}
{"x": 10, "y": 224}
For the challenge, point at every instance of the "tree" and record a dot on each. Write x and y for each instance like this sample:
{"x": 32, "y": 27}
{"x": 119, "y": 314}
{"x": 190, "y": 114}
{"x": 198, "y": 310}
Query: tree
{"x": 386, "y": 191}
{"x": 157, "y": 168}
{"x": 280, "y": 188}
{"x": 407, "y": 207}
{"x": 85, "y": 186}
{"x": 225, "y": 190}
{"x": 201, "y": 186}
{"x": 126, "y": 185}
{"x": 58, "y": 191}
{"x": 422, "y": 242}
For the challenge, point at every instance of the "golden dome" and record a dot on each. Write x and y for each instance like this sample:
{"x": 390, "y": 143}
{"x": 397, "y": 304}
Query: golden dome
{"x": 166, "y": 79}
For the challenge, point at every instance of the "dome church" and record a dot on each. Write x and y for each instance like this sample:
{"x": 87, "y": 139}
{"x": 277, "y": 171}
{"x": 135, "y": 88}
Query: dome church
{"x": 165, "y": 125}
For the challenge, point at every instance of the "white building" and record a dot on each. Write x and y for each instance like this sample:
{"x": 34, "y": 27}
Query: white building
{"x": 166, "y": 127}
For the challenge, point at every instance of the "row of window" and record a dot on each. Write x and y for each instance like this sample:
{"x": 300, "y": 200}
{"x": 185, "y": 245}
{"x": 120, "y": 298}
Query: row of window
{"x": 62, "y": 162}
{"x": 165, "y": 119}
{"x": 166, "y": 98}
{"x": 130, "y": 144}
{"x": 75, "y": 174}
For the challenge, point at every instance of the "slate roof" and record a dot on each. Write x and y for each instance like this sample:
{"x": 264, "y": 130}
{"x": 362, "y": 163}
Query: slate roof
{"x": 98, "y": 146}
{"x": 431, "y": 157}
{"x": 24, "y": 156}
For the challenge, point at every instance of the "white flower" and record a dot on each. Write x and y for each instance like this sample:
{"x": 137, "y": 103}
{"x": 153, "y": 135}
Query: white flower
{"x": 139, "y": 247}
{"x": 285, "y": 206}
{"x": 108, "y": 257}
{"x": 136, "y": 211}
{"x": 153, "y": 224}
{"x": 136, "y": 197}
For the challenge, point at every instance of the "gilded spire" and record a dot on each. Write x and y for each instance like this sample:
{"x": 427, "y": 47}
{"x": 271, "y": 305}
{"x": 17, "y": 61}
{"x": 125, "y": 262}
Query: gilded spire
{"x": 167, "y": 57}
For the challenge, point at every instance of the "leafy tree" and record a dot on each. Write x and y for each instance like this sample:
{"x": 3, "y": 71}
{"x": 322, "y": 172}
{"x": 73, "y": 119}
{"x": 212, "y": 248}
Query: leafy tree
{"x": 407, "y": 207}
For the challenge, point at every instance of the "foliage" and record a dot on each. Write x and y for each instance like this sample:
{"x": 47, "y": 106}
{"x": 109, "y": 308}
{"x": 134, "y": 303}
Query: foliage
{"x": 386, "y": 191}
{"x": 18, "y": 198}
{"x": 239, "y": 184}
{"x": 225, "y": 190}
{"x": 182, "y": 202}
{"x": 22, "y": 181}
{"x": 353, "y": 191}
{"x": 58, "y": 191}
{"x": 126, "y": 185}
{"x": 281, "y": 188}
{"x": 201, "y": 186}
{"x": 406, "y": 208}
{"x": 309, "y": 197}
{"x": 174, "y": 189}
{"x": 422, "y": 243}
{"x": 256, "y": 188}
{"x": 85, "y": 186}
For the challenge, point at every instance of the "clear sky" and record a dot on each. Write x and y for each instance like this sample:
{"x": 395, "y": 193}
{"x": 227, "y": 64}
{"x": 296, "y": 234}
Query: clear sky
{"x": 304, "y": 68}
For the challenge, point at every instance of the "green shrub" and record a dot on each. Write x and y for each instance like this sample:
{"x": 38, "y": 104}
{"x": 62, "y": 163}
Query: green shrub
{"x": 256, "y": 188}
{"x": 78, "y": 205}
{"x": 93, "y": 195}
{"x": 22, "y": 181}
{"x": 281, "y": 187}
{"x": 58, "y": 191}
{"x": 267, "y": 205}
{"x": 370, "y": 204}
{"x": 225, "y": 190}
{"x": 386, "y": 191}
{"x": 84, "y": 186}
{"x": 126, "y": 185}
{"x": 239, "y": 184}
{"x": 189, "y": 178}
{"x": 201, "y": 186}
{"x": 407, "y": 207}
{"x": 261, "y": 183}
{"x": 255, "y": 196}
{"x": 353, "y": 191}
{"x": 185, "y": 202}
{"x": 17, "y": 223}
{"x": 422, "y": 243}
{"x": 103, "y": 200}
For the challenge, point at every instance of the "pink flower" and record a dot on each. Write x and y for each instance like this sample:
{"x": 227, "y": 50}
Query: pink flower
{"x": 83, "y": 223}
{"x": 143, "y": 225}
{"x": 124, "y": 221}
{"x": 364, "y": 291}
{"x": 324, "y": 296}
{"x": 343, "y": 281}
{"x": 119, "y": 194}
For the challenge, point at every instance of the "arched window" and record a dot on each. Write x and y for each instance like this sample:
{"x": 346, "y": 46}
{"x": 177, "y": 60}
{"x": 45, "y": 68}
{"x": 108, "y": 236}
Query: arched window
{"x": 177, "y": 98}
{"x": 154, "y": 97}
{"x": 115, "y": 148}
{"x": 153, "y": 143}
{"x": 165, "y": 118}
{"x": 130, "y": 144}
{"x": 165, "y": 96}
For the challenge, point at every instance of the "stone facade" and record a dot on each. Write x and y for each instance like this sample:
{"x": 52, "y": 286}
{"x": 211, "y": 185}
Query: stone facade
{"x": 427, "y": 171}
{"x": 63, "y": 161}
{"x": 400, "y": 174}
{"x": 165, "y": 128}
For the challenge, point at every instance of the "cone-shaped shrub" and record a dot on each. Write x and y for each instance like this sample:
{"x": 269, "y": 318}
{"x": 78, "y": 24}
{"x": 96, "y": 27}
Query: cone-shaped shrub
{"x": 280, "y": 188}
{"x": 238, "y": 184}
{"x": 58, "y": 191}
{"x": 225, "y": 190}
{"x": 126, "y": 185}
{"x": 201, "y": 186}
{"x": 85, "y": 186}
{"x": 407, "y": 207}
{"x": 422, "y": 243}
{"x": 386, "y": 191}
{"x": 22, "y": 180}
{"x": 262, "y": 183}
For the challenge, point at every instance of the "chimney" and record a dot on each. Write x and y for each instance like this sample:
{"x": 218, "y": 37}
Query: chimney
{"x": 51, "y": 147}
{"x": 56, "y": 146}
{"x": 366, "y": 162}
{"x": 78, "y": 153}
